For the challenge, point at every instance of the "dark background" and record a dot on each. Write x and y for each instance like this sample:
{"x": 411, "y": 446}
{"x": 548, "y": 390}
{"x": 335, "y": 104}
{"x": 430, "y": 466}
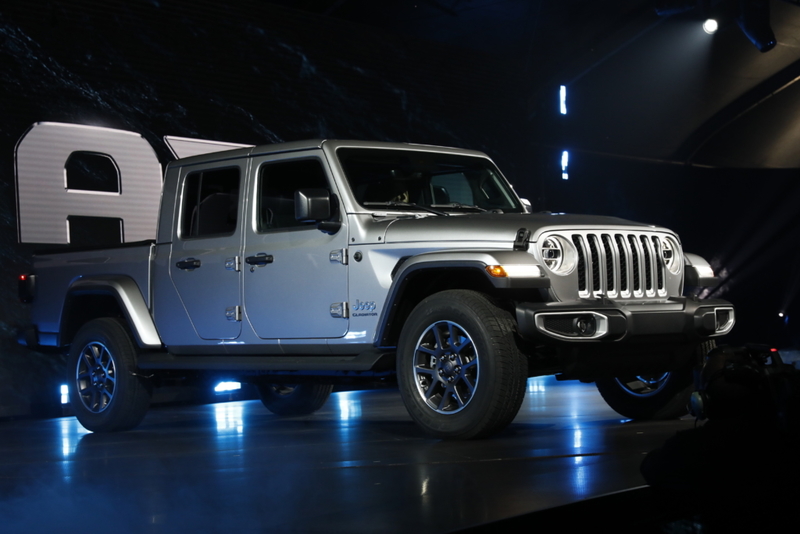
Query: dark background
{"x": 666, "y": 124}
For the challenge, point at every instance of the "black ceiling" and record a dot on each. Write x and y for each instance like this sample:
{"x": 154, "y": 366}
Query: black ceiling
{"x": 639, "y": 84}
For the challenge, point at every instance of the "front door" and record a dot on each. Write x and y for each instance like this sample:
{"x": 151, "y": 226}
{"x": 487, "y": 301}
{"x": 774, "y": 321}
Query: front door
{"x": 297, "y": 274}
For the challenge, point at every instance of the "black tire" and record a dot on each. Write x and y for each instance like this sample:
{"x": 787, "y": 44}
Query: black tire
{"x": 472, "y": 389}
{"x": 294, "y": 399}
{"x": 105, "y": 390}
{"x": 662, "y": 396}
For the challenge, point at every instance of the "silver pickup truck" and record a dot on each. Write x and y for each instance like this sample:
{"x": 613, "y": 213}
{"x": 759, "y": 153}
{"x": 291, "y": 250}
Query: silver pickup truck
{"x": 296, "y": 266}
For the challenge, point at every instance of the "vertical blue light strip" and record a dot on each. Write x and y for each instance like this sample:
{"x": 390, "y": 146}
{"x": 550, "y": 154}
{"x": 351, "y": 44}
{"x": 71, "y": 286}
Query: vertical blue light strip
{"x": 564, "y": 165}
{"x": 563, "y": 99}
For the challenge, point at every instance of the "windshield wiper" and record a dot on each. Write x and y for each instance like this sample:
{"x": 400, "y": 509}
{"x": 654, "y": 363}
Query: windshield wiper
{"x": 459, "y": 205}
{"x": 411, "y": 205}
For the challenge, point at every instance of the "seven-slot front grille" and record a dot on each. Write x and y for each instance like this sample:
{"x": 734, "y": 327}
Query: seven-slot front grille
{"x": 619, "y": 265}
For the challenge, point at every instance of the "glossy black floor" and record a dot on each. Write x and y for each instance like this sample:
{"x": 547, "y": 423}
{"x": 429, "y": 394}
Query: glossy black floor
{"x": 358, "y": 465}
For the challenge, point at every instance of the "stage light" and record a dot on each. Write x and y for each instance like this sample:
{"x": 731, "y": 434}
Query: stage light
{"x": 564, "y": 165}
{"x": 64, "y": 390}
{"x": 222, "y": 387}
{"x": 753, "y": 17}
{"x": 754, "y": 22}
{"x": 562, "y": 97}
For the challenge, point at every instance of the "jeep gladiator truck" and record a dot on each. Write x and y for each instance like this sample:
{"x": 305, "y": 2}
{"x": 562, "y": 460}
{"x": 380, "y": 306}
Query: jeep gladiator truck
{"x": 296, "y": 266}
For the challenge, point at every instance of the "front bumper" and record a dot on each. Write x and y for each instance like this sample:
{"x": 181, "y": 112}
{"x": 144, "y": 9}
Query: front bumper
{"x": 604, "y": 320}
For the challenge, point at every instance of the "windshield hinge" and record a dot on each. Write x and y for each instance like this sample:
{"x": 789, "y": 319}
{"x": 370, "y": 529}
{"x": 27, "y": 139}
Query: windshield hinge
{"x": 521, "y": 242}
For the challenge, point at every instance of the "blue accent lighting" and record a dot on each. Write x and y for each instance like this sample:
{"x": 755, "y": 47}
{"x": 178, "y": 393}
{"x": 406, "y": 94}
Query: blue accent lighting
{"x": 564, "y": 165}
{"x": 222, "y": 387}
{"x": 562, "y": 98}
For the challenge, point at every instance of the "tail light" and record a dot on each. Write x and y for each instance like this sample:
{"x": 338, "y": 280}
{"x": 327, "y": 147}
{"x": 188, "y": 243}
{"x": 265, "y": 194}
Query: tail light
{"x": 27, "y": 287}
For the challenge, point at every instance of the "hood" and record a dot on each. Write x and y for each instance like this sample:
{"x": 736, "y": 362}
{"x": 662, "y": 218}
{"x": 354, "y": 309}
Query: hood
{"x": 501, "y": 227}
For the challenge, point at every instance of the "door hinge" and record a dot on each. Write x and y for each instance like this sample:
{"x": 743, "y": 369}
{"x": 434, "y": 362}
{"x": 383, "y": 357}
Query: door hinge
{"x": 234, "y": 264}
{"x": 339, "y": 256}
{"x": 233, "y": 313}
{"x": 340, "y": 310}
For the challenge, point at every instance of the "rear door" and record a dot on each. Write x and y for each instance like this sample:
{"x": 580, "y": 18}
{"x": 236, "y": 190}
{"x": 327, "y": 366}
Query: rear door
{"x": 203, "y": 262}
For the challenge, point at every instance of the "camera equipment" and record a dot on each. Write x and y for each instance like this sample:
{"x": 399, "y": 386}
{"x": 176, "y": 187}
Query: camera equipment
{"x": 749, "y": 381}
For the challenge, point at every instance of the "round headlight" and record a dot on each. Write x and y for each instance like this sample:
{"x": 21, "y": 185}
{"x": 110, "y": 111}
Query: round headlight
{"x": 558, "y": 254}
{"x": 671, "y": 255}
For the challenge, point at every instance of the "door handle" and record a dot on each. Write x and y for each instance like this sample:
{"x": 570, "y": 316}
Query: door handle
{"x": 188, "y": 265}
{"x": 259, "y": 260}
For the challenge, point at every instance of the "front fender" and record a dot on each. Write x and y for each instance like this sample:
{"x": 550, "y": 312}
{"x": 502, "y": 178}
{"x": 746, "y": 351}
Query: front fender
{"x": 698, "y": 272}
{"x": 523, "y": 272}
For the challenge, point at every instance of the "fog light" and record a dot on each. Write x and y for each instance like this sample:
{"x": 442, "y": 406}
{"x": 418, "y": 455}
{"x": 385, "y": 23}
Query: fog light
{"x": 585, "y": 325}
{"x": 574, "y": 326}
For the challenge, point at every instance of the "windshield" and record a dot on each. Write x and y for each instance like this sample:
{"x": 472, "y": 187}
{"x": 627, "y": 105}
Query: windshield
{"x": 411, "y": 179}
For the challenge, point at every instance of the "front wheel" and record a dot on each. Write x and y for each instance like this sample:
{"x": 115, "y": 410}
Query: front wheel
{"x": 654, "y": 396}
{"x": 460, "y": 373}
{"x": 105, "y": 390}
{"x": 295, "y": 399}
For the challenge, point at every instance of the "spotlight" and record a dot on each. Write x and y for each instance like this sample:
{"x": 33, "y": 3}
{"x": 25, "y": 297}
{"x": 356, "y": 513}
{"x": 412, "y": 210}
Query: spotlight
{"x": 753, "y": 17}
{"x": 754, "y": 22}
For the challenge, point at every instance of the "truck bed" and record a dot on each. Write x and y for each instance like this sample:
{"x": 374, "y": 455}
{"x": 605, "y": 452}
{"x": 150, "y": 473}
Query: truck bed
{"x": 59, "y": 273}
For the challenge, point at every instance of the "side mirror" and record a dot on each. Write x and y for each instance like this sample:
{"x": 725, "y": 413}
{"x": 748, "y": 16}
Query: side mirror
{"x": 312, "y": 205}
{"x": 316, "y": 205}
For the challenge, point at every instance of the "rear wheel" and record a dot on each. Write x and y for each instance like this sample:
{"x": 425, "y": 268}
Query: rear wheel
{"x": 654, "y": 396}
{"x": 105, "y": 390}
{"x": 294, "y": 399}
{"x": 459, "y": 370}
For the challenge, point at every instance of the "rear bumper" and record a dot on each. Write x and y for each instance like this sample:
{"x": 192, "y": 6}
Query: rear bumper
{"x": 603, "y": 321}
{"x": 30, "y": 337}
